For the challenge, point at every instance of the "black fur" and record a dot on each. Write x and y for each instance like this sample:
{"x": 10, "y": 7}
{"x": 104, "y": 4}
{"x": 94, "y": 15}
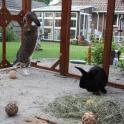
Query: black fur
{"x": 94, "y": 80}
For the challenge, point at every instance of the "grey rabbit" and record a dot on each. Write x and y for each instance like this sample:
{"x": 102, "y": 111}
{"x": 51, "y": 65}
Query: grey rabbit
{"x": 29, "y": 39}
{"x": 94, "y": 80}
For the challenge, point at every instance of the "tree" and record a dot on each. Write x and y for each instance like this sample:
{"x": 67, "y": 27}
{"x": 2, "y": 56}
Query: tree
{"x": 45, "y": 1}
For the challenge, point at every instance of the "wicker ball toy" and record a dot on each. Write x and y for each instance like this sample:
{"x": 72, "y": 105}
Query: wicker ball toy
{"x": 11, "y": 109}
{"x": 89, "y": 118}
{"x": 12, "y": 74}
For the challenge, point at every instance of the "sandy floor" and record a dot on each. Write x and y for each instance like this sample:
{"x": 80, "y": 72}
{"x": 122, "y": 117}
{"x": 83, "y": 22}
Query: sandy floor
{"x": 33, "y": 92}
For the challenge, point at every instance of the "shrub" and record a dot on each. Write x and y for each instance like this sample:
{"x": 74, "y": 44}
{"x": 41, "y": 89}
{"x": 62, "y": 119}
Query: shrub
{"x": 121, "y": 64}
{"x": 11, "y": 35}
{"x": 97, "y": 51}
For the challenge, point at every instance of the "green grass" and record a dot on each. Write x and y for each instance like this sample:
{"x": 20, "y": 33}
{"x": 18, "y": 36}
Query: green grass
{"x": 78, "y": 52}
{"x": 50, "y": 50}
{"x": 11, "y": 49}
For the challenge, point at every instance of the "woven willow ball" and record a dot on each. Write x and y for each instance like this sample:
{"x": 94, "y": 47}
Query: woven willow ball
{"x": 11, "y": 109}
{"x": 12, "y": 74}
{"x": 89, "y": 118}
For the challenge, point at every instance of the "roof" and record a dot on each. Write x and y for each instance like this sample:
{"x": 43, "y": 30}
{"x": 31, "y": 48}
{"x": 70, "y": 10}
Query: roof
{"x": 17, "y": 4}
{"x": 36, "y": 4}
{"x": 59, "y": 8}
{"x": 10, "y": 5}
{"x": 101, "y": 5}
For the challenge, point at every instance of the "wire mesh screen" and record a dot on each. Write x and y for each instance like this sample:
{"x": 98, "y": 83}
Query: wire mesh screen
{"x": 13, "y": 40}
{"x": 116, "y": 71}
{"x": 87, "y": 43}
{"x": 0, "y": 43}
{"x": 47, "y": 54}
{"x": 47, "y": 49}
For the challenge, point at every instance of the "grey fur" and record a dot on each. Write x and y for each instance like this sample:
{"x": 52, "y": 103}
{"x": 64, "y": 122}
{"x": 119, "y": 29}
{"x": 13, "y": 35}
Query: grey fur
{"x": 29, "y": 38}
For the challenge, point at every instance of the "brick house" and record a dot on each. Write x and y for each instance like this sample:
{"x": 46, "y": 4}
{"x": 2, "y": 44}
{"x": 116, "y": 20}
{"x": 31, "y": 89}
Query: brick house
{"x": 87, "y": 17}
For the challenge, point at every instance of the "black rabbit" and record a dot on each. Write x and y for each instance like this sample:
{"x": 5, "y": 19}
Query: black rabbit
{"x": 94, "y": 80}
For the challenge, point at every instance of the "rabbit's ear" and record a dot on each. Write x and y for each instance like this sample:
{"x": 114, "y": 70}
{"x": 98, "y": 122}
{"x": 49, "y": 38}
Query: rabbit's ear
{"x": 33, "y": 17}
{"x": 81, "y": 70}
{"x": 24, "y": 20}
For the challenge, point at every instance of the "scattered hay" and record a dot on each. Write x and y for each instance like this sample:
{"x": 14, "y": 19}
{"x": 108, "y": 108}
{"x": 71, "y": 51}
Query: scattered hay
{"x": 108, "y": 110}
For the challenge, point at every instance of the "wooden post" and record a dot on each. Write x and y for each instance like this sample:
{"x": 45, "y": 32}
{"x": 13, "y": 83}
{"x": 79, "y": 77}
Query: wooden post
{"x": 26, "y": 5}
{"x": 4, "y": 22}
{"x": 89, "y": 54}
{"x": 65, "y": 36}
{"x": 3, "y": 3}
{"x": 3, "y": 36}
{"x": 4, "y": 45}
{"x": 108, "y": 35}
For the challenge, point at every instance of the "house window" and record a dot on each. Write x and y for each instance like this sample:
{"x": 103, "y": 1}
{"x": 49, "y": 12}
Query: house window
{"x": 81, "y": 22}
{"x": 57, "y": 34}
{"x": 85, "y": 30}
{"x": 85, "y": 25}
{"x": 38, "y": 14}
{"x": 73, "y": 15}
{"x": 115, "y": 20}
{"x": 48, "y": 25}
{"x": 57, "y": 14}
{"x": 48, "y": 33}
{"x": 72, "y": 34}
{"x": 48, "y": 14}
{"x": 73, "y": 23}
{"x": 51, "y": 25}
{"x": 57, "y": 23}
{"x": 48, "y": 22}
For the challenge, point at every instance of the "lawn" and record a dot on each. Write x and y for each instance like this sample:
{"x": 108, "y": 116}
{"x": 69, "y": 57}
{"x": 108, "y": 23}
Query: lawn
{"x": 50, "y": 50}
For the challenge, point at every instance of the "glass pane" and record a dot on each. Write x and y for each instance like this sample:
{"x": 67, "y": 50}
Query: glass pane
{"x": 73, "y": 14}
{"x": 100, "y": 22}
{"x": 57, "y": 34}
{"x": 48, "y": 33}
{"x": 81, "y": 21}
{"x": 73, "y": 23}
{"x": 39, "y": 14}
{"x": 115, "y": 20}
{"x": 57, "y": 23}
{"x": 48, "y": 14}
{"x": 72, "y": 34}
{"x": 48, "y": 22}
{"x": 57, "y": 14}
{"x": 86, "y": 26}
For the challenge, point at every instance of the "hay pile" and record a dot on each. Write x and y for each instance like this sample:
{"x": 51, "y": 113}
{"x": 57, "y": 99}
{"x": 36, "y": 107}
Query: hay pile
{"x": 108, "y": 110}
